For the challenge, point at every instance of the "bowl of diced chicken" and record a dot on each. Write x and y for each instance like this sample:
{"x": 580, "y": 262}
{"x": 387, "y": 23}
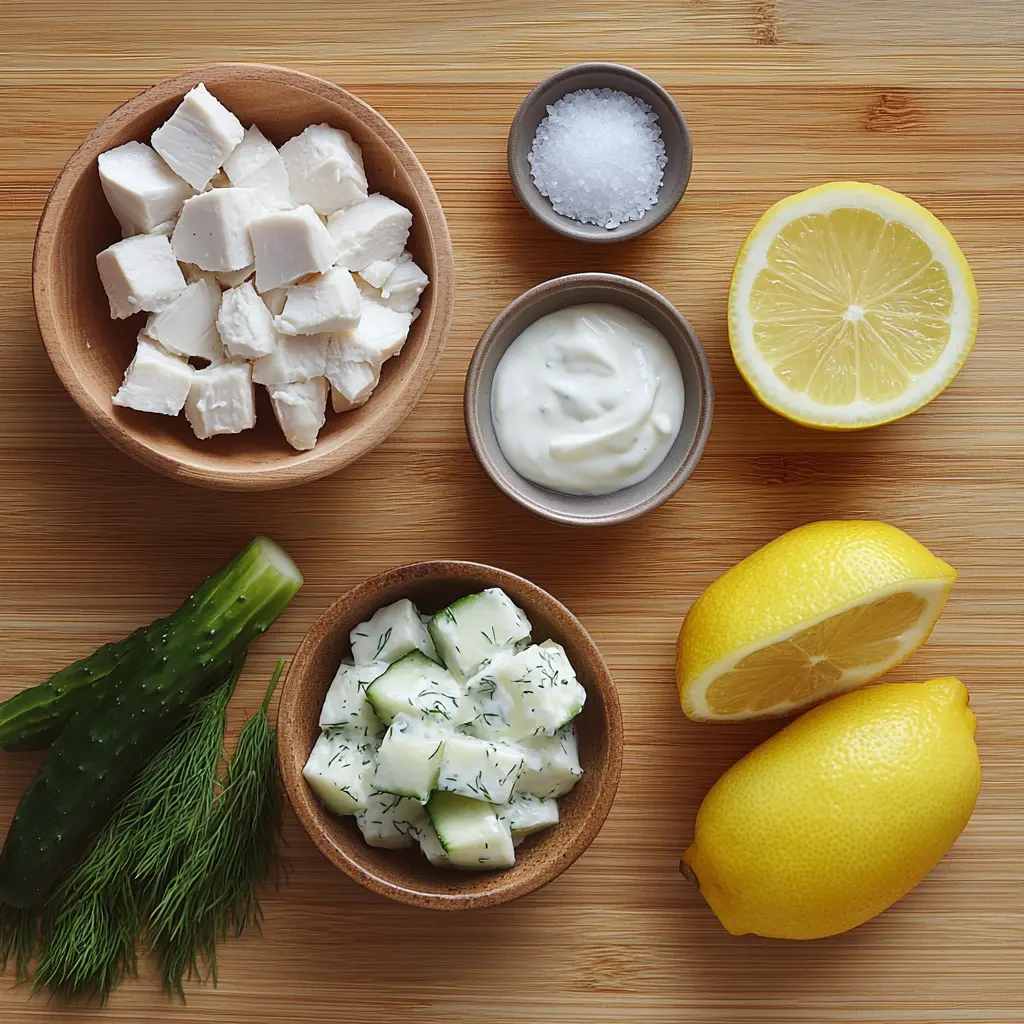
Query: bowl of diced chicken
{"x": 244, "y": 277}
{"x": 449, "y": 735}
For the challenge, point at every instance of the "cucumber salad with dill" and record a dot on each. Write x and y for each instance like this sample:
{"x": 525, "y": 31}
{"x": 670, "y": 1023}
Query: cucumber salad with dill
{"x": 453, "y": 732}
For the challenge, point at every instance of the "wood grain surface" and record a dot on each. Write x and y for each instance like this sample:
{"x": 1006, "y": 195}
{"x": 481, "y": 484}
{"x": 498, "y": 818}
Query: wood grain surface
{"x": 923, "y": 97}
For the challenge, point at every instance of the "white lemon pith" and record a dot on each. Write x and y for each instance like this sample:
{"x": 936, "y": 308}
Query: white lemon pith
{"x": 820, "y": 610}
{"x": 850, "y": 306}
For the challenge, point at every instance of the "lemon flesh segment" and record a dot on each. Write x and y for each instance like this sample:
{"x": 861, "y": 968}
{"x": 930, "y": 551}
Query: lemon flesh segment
{"x": 835, "y": 654}
{"x": 850, "y": 305}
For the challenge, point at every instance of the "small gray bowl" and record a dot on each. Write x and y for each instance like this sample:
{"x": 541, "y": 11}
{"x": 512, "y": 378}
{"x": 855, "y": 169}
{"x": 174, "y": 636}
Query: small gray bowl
{"x": 698, "y": 389}
{"x": 600, "y": 76}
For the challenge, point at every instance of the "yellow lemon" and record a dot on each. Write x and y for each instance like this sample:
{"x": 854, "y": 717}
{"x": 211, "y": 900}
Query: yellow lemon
{"x": 840, "y": 814}
{"x": 850, "y": 305}
{"x": 818, "y": 611}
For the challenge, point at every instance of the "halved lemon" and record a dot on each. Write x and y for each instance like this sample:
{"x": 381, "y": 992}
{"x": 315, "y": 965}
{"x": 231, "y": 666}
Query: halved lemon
{"x": 820, "y": 610}
{"x": 850, "y": 305}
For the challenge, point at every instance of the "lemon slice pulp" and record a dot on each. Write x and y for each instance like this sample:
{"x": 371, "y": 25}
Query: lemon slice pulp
{"x": 850, "y": 305}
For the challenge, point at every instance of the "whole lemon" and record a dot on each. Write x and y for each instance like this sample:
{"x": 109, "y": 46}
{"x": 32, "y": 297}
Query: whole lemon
{"x": 839, "y": 815}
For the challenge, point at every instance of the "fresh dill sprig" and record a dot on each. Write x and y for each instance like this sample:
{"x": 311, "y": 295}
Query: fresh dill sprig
{"x": 92, "y": 921}
{"x": 213, "y": 892}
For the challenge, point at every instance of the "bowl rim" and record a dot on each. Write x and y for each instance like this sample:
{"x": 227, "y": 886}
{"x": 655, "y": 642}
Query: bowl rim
{"x": 280, "y": 473}
{"x": 482, "y": 449}
{"x": 565, "y": 226}
{"x": 308, "y": 810}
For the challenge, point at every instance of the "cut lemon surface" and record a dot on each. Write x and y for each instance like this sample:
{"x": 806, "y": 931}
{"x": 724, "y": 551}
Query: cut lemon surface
{"x": 850, "y": 305}
{"x": 820, "y": 610}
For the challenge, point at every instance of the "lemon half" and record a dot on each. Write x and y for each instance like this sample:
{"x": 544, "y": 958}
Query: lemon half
{"x": 820, "y": 610}
{"x": 850, "y": 306}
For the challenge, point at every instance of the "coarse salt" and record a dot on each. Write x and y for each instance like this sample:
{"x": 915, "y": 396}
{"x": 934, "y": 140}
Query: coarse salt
{"x": 599, "y": 157}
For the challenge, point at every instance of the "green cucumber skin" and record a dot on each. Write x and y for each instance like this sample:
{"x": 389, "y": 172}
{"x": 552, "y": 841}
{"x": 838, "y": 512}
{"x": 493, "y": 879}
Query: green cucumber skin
{"x": 34, "y": 718}
{"x": 97, "y": 756}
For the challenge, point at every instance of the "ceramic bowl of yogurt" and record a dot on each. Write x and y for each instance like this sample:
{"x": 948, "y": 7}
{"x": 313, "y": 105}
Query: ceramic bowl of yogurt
{"x": 589, "y": 399}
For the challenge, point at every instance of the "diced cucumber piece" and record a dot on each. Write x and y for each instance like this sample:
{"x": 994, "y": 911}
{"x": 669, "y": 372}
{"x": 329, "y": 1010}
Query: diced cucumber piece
{"x": 415, "y": 685}
{"x": 552, "y": 765}
{"x": 474, "y": 627}
{"x": 538, "y": 690}
{"x": 471, "y": 833}
{"x": 409, "y": 758}
{"x": 339, "y": 772}
{"x": 481, "y": 689}
{"x": 390, "y": 634}
{"x": 479, "y": 769}
{"x": 429, "y": 843}
{"x": 525, "y": 815}
{"x": 346, "y": 709}
{"x": 390, "y": 821}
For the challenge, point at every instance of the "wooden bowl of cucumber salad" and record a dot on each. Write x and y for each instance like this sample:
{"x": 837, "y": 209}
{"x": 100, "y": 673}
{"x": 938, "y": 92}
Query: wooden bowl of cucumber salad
{"x": 450, "y": 736}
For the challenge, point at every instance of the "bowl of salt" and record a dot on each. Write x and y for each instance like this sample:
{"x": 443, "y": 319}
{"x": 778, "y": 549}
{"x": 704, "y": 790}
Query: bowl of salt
{"x": 599, "y": 153}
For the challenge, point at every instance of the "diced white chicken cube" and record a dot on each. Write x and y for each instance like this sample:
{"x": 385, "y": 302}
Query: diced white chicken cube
{"x": 274, "y": 300}
{"x": 141, "y": 189}
{"x": 352, "y": 383}
{"x": 377, "y": 272}
{"x": 255, "y": 163}
{"x": 222, "y": 400}
{"x": 339, "y": 771}
{"x": 139, "y": 273}
{"x": 165, "y": 228}
{"x": 155, "y": 381}
{"x": 325, "y": 168}
{"x": 198, "y": 137}
{"x": 301, "y": 357}
{"x": 188, "y": 326}
{"x": 322, "y": 304}
{"x": 245, "y": 324}
{"x": 379, "y": 335}
{"x": 375, "y": 229}
{"x": 301, "y": 410}
{"x": 213, "y": 229}
{"x": 233, "y": 278}
{"x": 402, "y": 290}
{"x": 288, "y": 245}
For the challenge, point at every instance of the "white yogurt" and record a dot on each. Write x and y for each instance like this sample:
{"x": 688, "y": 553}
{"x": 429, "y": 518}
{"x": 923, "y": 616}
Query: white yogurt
{"x": 587, "y": 400}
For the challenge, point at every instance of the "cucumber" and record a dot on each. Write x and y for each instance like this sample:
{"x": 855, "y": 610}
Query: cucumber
{"x": 338, "y": 771}
{"x": 34, "y": 718}
{"x": 552, "y": 765}
{"x": 389, "y": 821}
{"x": 346, "y": 709}
{"x": 469, "y": 631}
{"x": 538, "y": 691}
{"x": 525, "y": 815}
{"x": 409, "y": 758}
{"x": 488, "y": 720}
{"x": 416, "y": 686}
{"x": 97, "y": 756}
{"x": 430, "y": 845}
{"x": 479, "y": 769}
{"x": 390, "y": 634}
{"x": 471, "y": 833}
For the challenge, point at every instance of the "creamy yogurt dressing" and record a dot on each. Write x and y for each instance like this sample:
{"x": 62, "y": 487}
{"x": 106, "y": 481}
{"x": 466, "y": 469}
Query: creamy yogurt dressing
{"x": 587, "y": 400}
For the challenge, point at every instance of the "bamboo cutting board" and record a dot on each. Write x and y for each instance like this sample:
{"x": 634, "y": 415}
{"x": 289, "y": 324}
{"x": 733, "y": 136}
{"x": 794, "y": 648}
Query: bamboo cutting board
{"x": 924, "y": 96}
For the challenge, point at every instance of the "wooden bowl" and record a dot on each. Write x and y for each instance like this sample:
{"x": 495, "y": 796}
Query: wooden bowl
{"x": 405, "y": 875}
{"x": 90, "y": 351}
